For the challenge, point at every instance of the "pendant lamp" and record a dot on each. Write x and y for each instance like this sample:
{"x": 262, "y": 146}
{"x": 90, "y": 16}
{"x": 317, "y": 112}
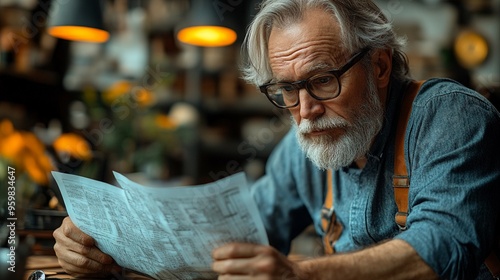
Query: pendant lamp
{"x": 77, "y": 20}
{"x": 206, "y": 26}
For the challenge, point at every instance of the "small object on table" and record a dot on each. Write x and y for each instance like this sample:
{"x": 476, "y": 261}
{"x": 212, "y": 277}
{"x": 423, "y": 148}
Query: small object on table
{"x": 37, "y": 275}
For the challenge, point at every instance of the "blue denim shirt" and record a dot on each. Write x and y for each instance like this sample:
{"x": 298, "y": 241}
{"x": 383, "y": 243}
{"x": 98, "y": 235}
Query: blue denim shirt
{"x": 452, "y": 151}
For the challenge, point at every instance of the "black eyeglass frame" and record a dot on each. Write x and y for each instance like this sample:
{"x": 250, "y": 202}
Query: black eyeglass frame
{"x": 298, "y": 85}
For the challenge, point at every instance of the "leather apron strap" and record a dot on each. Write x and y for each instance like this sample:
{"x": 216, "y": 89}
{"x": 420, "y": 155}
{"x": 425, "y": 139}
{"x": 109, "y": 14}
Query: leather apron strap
{"x": 401, "y": 180}
{"x": 331, "y": 227}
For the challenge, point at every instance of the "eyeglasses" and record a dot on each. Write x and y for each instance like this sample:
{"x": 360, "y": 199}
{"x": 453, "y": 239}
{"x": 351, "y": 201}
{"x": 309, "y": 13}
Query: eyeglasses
{"x": 322, "y": 86}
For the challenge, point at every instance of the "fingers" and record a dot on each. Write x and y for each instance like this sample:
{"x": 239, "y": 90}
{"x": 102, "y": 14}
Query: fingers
{"x": 71, "y": 231}
{"x": 80, "y": 266}
{"x": 234, "y": 277}
{"x": 69, "y": 237}
{"x": 237, "y": 250}
{"x": 233, "y": 259}
{"x": 77, "y": 253}
{"x": 233, "y": 266}
{"x": 237, "y": 260}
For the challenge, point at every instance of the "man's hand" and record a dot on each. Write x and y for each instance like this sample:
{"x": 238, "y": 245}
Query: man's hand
{"x": 250, "y": 261}
{"x": 394, "y": 259}
{"x": 78, "y": 255}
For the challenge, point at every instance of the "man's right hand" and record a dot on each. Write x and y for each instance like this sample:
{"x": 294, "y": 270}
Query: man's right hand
{"x": 78, "y": 255}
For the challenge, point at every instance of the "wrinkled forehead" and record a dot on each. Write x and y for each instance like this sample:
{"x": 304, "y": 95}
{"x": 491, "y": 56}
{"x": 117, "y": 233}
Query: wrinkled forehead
{"x": 313, "y": 41}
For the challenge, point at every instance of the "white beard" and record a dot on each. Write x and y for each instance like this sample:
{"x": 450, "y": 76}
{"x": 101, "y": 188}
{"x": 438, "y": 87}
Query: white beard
{"x": 330, "y": 152}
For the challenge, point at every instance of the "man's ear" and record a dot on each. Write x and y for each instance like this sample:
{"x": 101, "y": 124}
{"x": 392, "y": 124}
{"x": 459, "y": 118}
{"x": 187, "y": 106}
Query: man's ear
{"x": 382, "y": 66}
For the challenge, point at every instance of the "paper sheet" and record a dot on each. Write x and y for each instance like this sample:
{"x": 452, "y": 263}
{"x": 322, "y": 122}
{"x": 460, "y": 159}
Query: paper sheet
{"x": 166, "y": 233}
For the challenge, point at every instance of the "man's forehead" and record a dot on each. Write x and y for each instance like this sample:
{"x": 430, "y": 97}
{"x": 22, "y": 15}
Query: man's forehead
{"x": 314, "y": 25}
{"x": 311, "y": 44}
{"x": 305, "y": 72}
{"x": 307, "y": 64}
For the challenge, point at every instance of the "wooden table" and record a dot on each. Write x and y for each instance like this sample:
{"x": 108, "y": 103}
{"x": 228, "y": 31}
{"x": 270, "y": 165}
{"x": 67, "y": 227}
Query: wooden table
{"x": 53, "y": 270}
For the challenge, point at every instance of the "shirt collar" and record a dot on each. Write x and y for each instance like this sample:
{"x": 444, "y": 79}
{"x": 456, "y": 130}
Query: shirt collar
{"x": 394, "y": 98}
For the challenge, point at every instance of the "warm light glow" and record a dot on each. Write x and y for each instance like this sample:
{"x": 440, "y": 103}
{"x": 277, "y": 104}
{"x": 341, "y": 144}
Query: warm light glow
{"x": 471, "y": 49}
{"x": 207, "y": 36}
{"x": 79, "y": 33}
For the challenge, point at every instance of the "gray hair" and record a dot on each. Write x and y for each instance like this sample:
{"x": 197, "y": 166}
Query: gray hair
{"x": 362, "y": 24}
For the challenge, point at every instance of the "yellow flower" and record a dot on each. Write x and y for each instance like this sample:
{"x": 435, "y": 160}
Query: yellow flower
{"x": 126, "y": 92}
{"x": 74, "y": 145}
{"x": 26, "y": 152}
{"x": 11, "y": 147}
{"x": 144, "y": 97}
{"x": 37, "y": 167}
{"x": 165, "y": 122}
{"x": 6, "y": 128}
{"x": 115, "y": 91}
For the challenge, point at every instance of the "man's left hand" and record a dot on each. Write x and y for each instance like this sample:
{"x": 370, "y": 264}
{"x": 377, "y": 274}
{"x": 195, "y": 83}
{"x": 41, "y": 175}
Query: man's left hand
{"x": 251, "y": 261}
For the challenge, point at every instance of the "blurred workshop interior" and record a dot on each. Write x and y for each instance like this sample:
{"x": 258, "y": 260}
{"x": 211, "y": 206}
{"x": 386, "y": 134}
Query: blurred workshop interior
{"x": 143, "y": 97}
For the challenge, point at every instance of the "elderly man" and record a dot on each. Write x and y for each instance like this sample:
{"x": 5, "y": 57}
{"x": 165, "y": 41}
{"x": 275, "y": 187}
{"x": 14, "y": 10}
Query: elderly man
{"x": 337, "y": 66}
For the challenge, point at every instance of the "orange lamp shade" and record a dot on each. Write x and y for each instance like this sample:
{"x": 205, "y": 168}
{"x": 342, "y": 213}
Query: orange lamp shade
{"x": 79, "y": 33}
{"x": 207, "y": 36}
{"x": 77, "y": 20}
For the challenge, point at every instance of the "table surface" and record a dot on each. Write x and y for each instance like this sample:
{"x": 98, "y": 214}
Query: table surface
{"x": 53, "y": 270}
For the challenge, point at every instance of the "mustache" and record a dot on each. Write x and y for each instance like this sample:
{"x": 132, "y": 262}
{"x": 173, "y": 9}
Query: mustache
{"x": 307, "y": 126}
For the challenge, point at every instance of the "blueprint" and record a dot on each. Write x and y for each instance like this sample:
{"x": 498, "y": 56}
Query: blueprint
{"x": 166, "y": 233}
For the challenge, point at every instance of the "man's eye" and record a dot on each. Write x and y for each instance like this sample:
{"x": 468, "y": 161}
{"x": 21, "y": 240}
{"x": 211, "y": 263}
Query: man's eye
{"x": 323, "y": 80}
{"x": 286, "y": 88}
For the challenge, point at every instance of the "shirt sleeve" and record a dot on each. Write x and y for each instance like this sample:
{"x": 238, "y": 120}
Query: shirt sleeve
{"x": 280, "y": 203}
{"x": 453, "y": 152}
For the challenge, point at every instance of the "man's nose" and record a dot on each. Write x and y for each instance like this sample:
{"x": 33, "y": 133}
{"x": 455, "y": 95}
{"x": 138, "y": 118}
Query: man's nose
{"x": 310, "y": 108}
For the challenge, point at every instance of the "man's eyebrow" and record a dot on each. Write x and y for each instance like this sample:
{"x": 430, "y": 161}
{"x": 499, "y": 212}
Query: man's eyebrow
{"x": 317, "y": 67}
{"x": 313, "y": 69}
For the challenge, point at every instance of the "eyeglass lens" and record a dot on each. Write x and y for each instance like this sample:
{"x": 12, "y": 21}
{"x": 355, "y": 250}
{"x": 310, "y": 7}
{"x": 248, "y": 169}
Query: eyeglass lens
{"x": 322, "y": 86}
